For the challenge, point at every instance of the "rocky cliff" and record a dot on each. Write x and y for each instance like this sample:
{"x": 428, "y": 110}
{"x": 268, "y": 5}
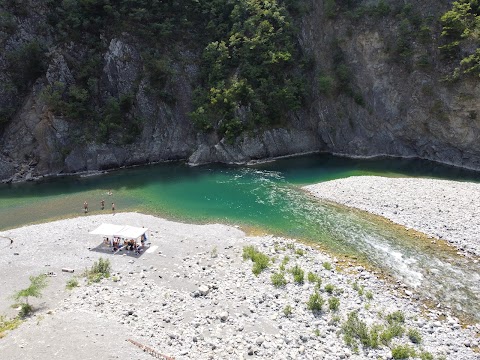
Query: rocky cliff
{"x": 375, "y": 86}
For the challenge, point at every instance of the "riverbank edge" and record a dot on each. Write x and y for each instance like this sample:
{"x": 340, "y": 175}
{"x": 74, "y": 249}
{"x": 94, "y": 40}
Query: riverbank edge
{"x": 410, "y": 203}
{"x": 174, "y": 239}
{"x": 22, "y": 179}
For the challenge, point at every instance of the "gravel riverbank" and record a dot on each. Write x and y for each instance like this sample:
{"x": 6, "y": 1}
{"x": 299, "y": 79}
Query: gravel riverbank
{"x": 442, "y": 209}
{"x": 193, "y": 296}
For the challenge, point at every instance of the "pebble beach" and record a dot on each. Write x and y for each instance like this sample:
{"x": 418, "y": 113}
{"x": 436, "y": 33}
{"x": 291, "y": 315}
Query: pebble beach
{"x": 442, "y": 209}
{"x": 192, "y": 295}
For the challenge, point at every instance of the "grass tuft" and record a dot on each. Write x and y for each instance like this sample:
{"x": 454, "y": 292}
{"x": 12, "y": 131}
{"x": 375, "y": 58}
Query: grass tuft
{"x": 8, "y": 325}
{"x": 72, "y": 283}
{"x": 315, "y": 302}
{"x": 260, "y": 260}
{"x": 298, "y": 274}
{"x": 333, "y": 303}
{"x": 278, "y": 279}
{"x": 403, "y": 352}
{"x": 99, "y": 270}
{"x": 414, "y": 336}
{"x": 287, "y": 311}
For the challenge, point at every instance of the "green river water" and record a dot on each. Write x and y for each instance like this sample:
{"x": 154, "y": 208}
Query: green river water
{"x": 268, "y": 197}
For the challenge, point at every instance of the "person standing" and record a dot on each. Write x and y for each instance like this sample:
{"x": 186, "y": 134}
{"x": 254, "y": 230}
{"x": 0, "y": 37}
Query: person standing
{"x": 102, "y": 204}
{"x": 113, "y": 208}
{"x": 85, "y": 207}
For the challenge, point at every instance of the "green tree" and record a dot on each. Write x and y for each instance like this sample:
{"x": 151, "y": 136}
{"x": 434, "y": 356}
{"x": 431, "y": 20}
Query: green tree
{"x": 37, "y": 284}
{"x": 248, "y": 76}
{"x": 461, "y": 25}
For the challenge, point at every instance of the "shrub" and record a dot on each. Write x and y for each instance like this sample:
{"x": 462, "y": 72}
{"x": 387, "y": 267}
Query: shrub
{"x": 278, "y": 280}
{"x": 299, "y": 252}
{"x": 396, "y": 317}
{"x": 260, "y": 260}
{"x": 329, "y": 288}
{"x": 359, "y": 100}
{"x": 315, "y": 302}
{"x": 355, "y": 330}
{"x": 335, "y": 320}
{"x": 37, "y": 284}
{"x": 333, "y": 303}
{"x": 414, "y": 336}
{"x": 327, "y": 265}
{"x": 425, "y": 355}
{"x": 27, "y": 63}
{"x": 260, "y": 264}
{"x": 313, "y": 278}
{"x": 403, "y": 352}
{"x": 287, "y": 310}
{"x": 330, "y": 6}
{"x": 99, "y": 270}
{"x": 298, "y": 274}
{"x": 393, "y": 330}
{"x": 358, "y": 288}
{"x": 73, "y": 282}
{"x": 325, "y": 84}
{"x": 369, "y": 295}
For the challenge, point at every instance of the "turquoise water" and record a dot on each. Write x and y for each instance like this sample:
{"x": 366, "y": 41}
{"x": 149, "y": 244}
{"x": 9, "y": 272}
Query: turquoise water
{"x": 267, "y": 197}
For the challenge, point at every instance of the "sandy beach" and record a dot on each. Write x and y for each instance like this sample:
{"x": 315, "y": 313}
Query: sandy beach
{"x": 191, "y": 295}
{"x": 447, "y": 210}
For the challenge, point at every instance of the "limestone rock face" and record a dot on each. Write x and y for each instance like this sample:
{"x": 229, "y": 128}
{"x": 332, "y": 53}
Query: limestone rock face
{"x": 122, "y": 67}
{"x": 58, "y": 70}
{"x": 263, "y": 145}
{"x": 407, "y": 111}
{"x": 6, "y": 169}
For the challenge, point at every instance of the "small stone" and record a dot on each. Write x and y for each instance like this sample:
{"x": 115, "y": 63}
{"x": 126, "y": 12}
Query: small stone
{"x": 204, "y": 290}
{"x": 223, "y": 316}
{"x": 260, "y": 340}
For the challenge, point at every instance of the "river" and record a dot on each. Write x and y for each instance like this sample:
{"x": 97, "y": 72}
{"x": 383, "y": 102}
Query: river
{"x": 267, "y": 197}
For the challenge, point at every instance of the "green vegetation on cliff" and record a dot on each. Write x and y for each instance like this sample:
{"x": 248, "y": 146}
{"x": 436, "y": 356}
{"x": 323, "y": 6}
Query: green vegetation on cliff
{"x": 251, "y": 73}
{"x": 461, "y": 32}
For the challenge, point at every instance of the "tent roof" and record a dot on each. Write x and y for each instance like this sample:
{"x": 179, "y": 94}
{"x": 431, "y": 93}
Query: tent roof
{"x": 125, "y": 231}
{"x": 107, "y": 229}
{"x": 132, "y": 232}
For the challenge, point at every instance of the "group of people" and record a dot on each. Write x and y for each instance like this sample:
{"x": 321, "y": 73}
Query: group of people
{"x": 130, "y": 245}
{"x": 102, "y": 204}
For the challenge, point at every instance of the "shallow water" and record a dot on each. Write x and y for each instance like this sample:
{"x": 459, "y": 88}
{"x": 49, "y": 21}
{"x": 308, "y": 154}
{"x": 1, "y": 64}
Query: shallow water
{"x": 268, "y": 197}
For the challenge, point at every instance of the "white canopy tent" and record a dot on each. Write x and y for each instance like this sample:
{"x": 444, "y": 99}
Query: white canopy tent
{"x": 124, "y": 231}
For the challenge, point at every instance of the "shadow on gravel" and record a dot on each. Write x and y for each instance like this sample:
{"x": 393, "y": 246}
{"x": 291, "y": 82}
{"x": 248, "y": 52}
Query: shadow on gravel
{"x": 122, "y": 251}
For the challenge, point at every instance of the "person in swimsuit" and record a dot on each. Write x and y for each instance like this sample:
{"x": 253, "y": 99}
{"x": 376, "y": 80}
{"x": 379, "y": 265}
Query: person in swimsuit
{"x": 85, "y": 206}
{"x": 102, "y": 204}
